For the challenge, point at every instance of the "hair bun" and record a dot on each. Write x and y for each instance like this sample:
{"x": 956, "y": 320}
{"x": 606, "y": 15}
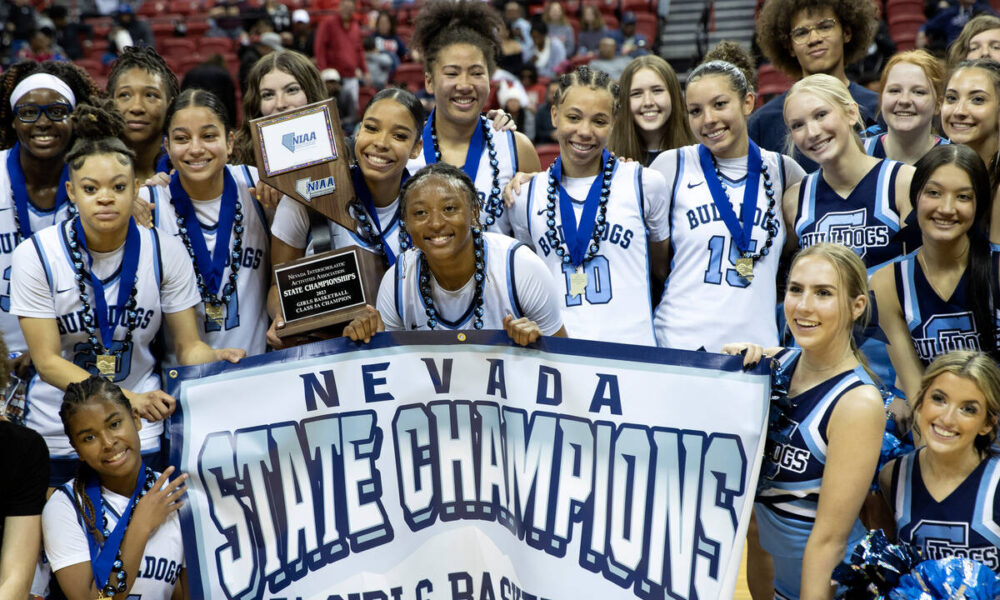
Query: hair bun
{"x": 97, "y": 120}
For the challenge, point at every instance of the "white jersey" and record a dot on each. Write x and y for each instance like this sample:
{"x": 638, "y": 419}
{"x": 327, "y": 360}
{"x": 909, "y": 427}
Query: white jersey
{"x": 245, "y": 317}
{"x": 616, "y": 305}
{"x": 705, "y": 302}
{"x": 43, "y": 286}
{"x": 66, "y": 542}
{"x": 505, "y": 144}
{"x": 10, "y": 237}
{"x": 291, "y": 225}
{"x": 517, "y": 284}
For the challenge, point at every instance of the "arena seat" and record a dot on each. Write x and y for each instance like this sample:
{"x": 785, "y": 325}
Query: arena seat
{"x": 179, "y": 47}
{"x": 411, "y": 74}
{"x": 646, "y": 24}
{"x": 546, "y": 154}
{"x": 215, "y": 45}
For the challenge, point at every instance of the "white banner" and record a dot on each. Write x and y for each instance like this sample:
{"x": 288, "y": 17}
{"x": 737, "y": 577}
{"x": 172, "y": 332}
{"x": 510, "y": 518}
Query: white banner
{"x": 450, "y": 466}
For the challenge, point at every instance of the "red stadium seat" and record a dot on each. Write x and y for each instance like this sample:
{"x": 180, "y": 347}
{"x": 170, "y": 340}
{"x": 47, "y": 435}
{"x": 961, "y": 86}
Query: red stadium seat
{"x": 162, "y": 31}
{"x": 91, "y": 66}
{"x": 611, "y": 22}
{"x": 151, "y": 9}
{"x": 645, "y": 23}
{"x": 184, "y": 7}
{"x": 914, "y": 20}
{"x": 405, "y": 32}
{"x": 637, "y": 6}
{"x": 197, "y": 28}
{"x": 365, "y": 95}
{"x": 179, "y": 47}
{"x": 187, "y": 63}
{"x": 411, "y": 74}
{"x": 607, "y": 7}
{"x": 215, "y": 45}
{"x": 546, "y": 154}
{"x": 911, "y": 7}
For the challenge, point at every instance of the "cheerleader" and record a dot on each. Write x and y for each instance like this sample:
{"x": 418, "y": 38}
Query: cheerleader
{"x": 824, "y": 445}
{"x": 86, "y": 307}
{"x": 142, "y": 87}
{"x": 208, "y": 206}
{"x": 457, "y": 276}
{"x": 599, "y": 224}
{"x": 940, "y": 298}
{"x": 35, "y": 104}
{"x": 726, "y": 226}
{"x": 389, "y": 135}
{"x": 459, "y": 44}
{"x": 655, "y": 120}
{"x": 117, "y": 516}
{"x": 943, "y": 495}
{"x": 912, "y": 83}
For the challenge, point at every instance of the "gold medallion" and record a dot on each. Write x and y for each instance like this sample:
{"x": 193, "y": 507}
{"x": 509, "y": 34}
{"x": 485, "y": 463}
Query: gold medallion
{"x": 214, "y": 312}
{"x": 577, "y": 282}
{"x": 744, "y": 268}
{"x": 106, "y": 364}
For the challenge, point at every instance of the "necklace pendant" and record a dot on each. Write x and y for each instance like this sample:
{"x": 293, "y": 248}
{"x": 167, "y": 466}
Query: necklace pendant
{"x": 214, "y": 312}
{"x": 578, "y": 282}
{"x": 744, "y": 267}
{"x": 106, "y": 365}
{"x": 101, "y": 596}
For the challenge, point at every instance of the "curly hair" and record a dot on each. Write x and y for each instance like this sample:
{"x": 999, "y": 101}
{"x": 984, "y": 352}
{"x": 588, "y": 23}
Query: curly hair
{"x": 287, "y": 61}
{"x": 145, "y": 58}
{"x": 442, "y": 23}
{"x": 774, "y": 27}
{"x": 98, "y": 129}
{"x": 734, "y": 54}
{"x": 76, "y": 78}
{"x": 625, "y": 138}
{"x": 959, "y": 49}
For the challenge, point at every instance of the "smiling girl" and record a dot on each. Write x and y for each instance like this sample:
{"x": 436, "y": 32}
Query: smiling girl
{"x": 912, "y": 86}
{"x": 980, "y": 38}
{"x": 725, "y": 213}
{"x": 600, "y": 224}
{"x": 969, "y": 114}
{"x": 939, "y": 297}
{"x": 92, "y": 292}
{"x": 459, "y": 44}
{"x": 209, "y": 208}
{"x": 118, "y": 515}
{"x": 941, "y": 487}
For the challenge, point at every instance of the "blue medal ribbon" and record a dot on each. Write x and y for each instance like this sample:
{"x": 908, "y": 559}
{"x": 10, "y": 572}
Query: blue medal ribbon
{"x": 741, "y": 236}
{"x": 365, "y": 196}
{"x": 19, "y": 188}
{"x": 472, "y": 155}
{"x": 578, "y": 236}
{"x": 102, "y": 557}
{"x": 211, "y": 266}
{"x": 130, "y": 264}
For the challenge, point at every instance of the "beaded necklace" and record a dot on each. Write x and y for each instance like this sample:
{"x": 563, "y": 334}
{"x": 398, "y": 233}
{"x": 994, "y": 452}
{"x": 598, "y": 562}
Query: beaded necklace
{"x": 480, "y": 277}
{"x": 118, "y": 567}
{"x": 493, "y": 206}
{"x": 744, "y": 264}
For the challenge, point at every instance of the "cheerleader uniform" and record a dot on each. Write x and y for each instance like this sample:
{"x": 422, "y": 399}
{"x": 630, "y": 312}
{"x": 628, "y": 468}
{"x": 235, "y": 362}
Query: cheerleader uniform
{"x": 865, "y": 221}
{"x": 503, "y": 143}
{"x": 786, "y": 503}
{"x": 616, "y": 305}
{"x": 965, "y": 524}
{"x": 44, "y": 286}
{"x": 937, "y": 326}
{"x": 244, "y": 317}
{"x": 10, "y": 236}
{"x": 705, "y": 302}
{"x": 66, "y": 542}
{"x": 517, "y": 283}
{"x": 875, "y": 145}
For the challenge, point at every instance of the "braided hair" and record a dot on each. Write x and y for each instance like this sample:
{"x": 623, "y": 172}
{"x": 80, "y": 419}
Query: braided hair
{"x": 442, "y": 23}
{"x": 92, "y": 389}
{"x": 76, "y": 78}
{"x": 98, "y": 129}
{"x": 454, "y": 176}
{"x": 592, "y": 78}
{"x": 145, "y": 58}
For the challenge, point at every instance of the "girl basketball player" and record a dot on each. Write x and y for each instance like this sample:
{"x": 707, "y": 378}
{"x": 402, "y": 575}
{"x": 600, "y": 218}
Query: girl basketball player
{"x": 831, "y": 420}
{"x": 118, "y": 514}
{"x": 599, "y": 224}
{"x": 209, "y": 208}
{"x": 92, "y": 292}
{"x": 458, "y": 276}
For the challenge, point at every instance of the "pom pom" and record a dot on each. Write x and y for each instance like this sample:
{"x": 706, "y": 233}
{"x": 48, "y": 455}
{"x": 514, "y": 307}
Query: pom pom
{"x": 948, "y": 578}
{"x": 874, "y": 568}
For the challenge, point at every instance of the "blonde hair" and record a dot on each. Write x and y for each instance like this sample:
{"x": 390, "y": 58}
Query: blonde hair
{"x": 831, "y": 90}
{"x": 930, "y": 65}
{"x": 977, "y": 368}
{"x": 854, "y": 281}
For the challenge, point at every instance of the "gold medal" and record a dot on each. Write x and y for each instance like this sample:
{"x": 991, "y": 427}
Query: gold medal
{"x": 744, "y": 267}
{"x": 101, "y": 596}
{"x": 578, "y": 282}
{"x": 106, "y": 364}
{"x": 214, "y": 312}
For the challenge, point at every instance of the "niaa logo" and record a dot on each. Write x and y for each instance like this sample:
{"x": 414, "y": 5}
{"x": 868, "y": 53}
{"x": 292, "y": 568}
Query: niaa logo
{"x": 294, "y": 141}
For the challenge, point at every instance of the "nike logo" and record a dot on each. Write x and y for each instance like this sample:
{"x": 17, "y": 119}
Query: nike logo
{"x": 69, "y": 289}
{"x": 542, "y": 212}
{"x": 694, "y": 185}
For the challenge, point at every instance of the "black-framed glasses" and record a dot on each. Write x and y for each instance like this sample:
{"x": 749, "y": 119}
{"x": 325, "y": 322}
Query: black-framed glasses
{"x": 800, "y": 35}
{"x": 29, "y": 113}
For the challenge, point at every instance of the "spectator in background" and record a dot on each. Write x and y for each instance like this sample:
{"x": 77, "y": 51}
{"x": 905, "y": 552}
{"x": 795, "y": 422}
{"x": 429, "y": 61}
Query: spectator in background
{"x": 380, "y": 64}
{"x": 24, "y": 477}
{"x": 41, "y": 47}
{"x": 386, "y": 39}
{"x": 338, "y": 46}
{"x": 549, "y": 51}
{"x": 608, "y": 61}
{"x": 592, "y": 31}
{"x": 633, "y": 44}
{"x": 543, "y": 116}
{"x": 868, "y": 70}
{"x": 228, "y": 19}
{"x": 532, "y": 87}
{"x": 513, "y": 100}
{"x": 980, "y": 38}
{"x": 254, "y": 51}
{"x": 559, "y": 26}
{"x": 511, "y": 57}
{"x": 279, "y": 15}
{"x": 72, "y": 36}
{"x": 943, "y": 28}
{"x": 213, "y": 76}
{"x": 301, "y": 38}
{"x": 138, "y": 31}
{"x": 513, "y": 13}
{"x": 331, "y": 79}
{"x": 20, "y": 19}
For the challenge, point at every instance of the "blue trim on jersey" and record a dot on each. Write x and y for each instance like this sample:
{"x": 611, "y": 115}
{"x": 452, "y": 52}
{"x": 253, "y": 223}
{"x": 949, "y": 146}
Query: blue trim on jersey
{"x": 782, "y": 176}
{"x": 640, "y": 197}
{"x": 256, "y": 203}
{"x": 69, "y": 257}
{"x": 156, "y": 204}
{"x": 985, "y": 501}
{"x": 530, "y": 203}
{"x": 45, "y": 265}
{"x": 814, "y": 421}
{"x": 515, "y": 302}
{"x": 906, "y": 464}
{"x": 807, "y": 207}
{"x": 911, "y": 308}
{"x": 513, "y": 150}
{"x": 882, "y": 209}
{"x": 467, "y": 315}
{"x": 158, "y": 256}
{"x": 399, "y": 291}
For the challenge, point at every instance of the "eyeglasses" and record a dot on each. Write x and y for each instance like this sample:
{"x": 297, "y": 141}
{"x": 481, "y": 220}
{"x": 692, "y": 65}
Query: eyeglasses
{"x": 29, "y": 113}
{"x": 800, "y": 35}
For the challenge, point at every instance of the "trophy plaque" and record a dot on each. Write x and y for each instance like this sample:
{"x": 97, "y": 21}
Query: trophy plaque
{"x": 302, "y": 153}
